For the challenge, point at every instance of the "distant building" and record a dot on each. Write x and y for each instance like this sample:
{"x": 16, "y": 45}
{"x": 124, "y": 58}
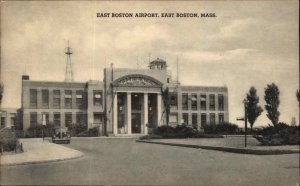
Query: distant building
{"x": 128, "y": 101}
{"x": 8, "y": 117}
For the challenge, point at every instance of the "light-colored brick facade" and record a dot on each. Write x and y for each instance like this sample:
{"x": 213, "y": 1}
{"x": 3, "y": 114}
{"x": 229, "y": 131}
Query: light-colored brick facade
{"x": 128, "y": 101}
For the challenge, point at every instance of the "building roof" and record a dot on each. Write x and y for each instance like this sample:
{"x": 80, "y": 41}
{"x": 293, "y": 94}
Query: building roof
{"x": 158, "y": 61}
{"x": 204, "y": 88}
{"x": 54, "y": 84}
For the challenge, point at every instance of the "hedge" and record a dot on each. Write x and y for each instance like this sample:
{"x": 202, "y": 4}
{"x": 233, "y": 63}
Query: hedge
{"x": 180, "y": 131}
{"x": 8, "y": 139}
{"x": 282, "y": 134}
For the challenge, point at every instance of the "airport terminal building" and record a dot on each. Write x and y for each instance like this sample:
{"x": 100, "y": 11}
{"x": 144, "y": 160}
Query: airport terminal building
{"x": 127, "y": 101}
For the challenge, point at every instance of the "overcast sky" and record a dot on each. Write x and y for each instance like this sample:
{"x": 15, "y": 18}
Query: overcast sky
{"x": 248, "y": 44}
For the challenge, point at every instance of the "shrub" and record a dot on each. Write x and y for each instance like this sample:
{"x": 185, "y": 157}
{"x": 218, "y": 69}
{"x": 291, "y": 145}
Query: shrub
{"x": 180, "y": 131}
{"x": 282, "y": 134}
{"x": 201, "y": 135}
{"x": 8, "y": 139}
{"x": 77, "y": 129}
{"x": 223, "y": 128}
{"x": 37, "y": 131}
{"x": 19, "y": 133}
{"x": 93, "y": 132}
{"x": 150, "y": 136}
{"x": 83, "y": 134}
{"x": 163, "y": 129}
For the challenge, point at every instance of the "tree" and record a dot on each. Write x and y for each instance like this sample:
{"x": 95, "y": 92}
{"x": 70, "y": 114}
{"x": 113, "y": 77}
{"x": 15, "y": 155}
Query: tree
{"x": 252, "y": 108}
{"x": 1, "y": 92}
{"x": 298, "y": 96}
{"x": 166, "y": 101}
{"x": 272, "y": 103}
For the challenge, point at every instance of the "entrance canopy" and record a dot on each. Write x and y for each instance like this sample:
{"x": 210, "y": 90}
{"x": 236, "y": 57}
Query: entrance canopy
{"x": 136, "y": 104}
{"x": 137, "y": 80}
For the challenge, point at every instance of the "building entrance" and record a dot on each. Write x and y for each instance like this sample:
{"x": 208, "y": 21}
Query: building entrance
{"x": 136, "y": 112}
{"x": 136, "y": 123}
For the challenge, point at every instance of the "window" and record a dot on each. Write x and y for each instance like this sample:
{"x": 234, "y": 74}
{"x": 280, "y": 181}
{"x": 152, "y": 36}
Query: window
{"x": 79, "y": 99}
{"x": 203, "y": 102}
{"x": 45, "y": 118}
{"x": 185, "y": 117}
{"x": 194, "y": 120}
{"x": 33, "y": 98}
{"x": 98, "y": 118}
{"x": 56, "y": 119}
{"x": 173, "y": 99}
{"x": 68, "y": 99}
{"x": 56, "y": 98}
{"x": 221, "y": 118}
{"x": 203, "y": 119}
{"x": 212, "y": 118}
{"x": 81, "y": 118}
{"x": 68, "y": 119}
{"x": 33, "y": 119}
{"x": 173, "y": 119}
{"x": 3, "y": 121}
{"x": 45, "y": 98}
{"x": 212, "y": 102}
{"x": 194, "y": 101}
{"x": 136, "y": 102}
{"x": 13, "y": 121}
{"x": 98, "y": 98}
{"x": 221, "y": 102}
{"x": 184, "y": 101}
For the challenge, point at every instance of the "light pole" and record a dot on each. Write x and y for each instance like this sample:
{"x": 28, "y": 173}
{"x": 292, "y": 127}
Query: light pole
{"x": 245, "y": 119}
{"x": 43, "y": 124}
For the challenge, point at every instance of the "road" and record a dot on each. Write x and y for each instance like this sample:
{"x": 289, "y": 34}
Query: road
{"x": 124, "y": 161}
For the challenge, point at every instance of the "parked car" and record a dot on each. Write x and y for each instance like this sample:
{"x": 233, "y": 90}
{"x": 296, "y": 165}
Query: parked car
{"x": 61, "y": 135}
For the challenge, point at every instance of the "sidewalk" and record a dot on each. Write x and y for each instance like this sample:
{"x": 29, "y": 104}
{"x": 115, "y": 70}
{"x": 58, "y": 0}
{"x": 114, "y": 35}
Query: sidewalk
{"x": 38, "y": 151}
{"x": 234, "y": 145}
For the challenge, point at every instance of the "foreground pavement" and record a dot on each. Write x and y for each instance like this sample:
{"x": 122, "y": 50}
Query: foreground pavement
{"x": 123, "y": 161}
{"x": 37, "y": 150}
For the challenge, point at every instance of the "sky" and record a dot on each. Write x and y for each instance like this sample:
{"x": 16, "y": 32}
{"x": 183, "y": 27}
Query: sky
{"x": 248, "y": 43}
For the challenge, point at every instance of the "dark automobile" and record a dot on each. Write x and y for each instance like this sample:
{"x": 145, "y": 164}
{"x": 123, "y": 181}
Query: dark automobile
{"x": 61, "y": 135}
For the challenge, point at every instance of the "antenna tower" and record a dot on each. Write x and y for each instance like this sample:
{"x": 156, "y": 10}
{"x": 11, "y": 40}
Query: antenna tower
{"x": 69, "y": 72}
{"x": 177, "y": 71}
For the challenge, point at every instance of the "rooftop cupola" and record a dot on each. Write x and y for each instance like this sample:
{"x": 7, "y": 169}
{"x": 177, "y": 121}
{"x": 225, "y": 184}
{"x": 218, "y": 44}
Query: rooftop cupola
{"x": 158, "y": 64}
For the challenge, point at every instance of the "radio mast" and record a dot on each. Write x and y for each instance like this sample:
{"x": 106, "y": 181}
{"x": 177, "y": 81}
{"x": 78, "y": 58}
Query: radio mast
{"x": 69, "y": 72}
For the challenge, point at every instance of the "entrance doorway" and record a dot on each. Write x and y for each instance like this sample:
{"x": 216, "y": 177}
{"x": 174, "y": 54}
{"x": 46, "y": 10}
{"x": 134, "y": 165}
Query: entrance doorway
{"x": 136, "y": 122}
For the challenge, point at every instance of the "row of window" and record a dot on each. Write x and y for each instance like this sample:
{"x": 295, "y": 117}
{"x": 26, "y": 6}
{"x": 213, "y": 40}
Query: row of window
{"x": 203, "y": 118}
{"x": 81, "y": 118}
{"x": 194, "y": 101}
{"x": 79, "y": 98}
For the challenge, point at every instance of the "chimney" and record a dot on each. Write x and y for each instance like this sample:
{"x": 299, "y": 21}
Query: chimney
{"x": 25, "y": 77}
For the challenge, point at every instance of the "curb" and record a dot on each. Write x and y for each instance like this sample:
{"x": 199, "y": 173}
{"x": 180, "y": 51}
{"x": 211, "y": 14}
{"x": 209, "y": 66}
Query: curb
{"x": 107, "y": 137}
{"x": 229, "y": 149}
{"x": 42, "y": 161}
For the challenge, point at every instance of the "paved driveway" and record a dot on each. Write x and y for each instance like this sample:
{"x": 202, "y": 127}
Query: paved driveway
{"x": 123, "y": 161}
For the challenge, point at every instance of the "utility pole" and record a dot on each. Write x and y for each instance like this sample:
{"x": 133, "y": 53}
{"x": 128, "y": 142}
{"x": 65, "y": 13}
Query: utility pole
{"x": 245, "y": 118}
{"x": 112, "y": 94}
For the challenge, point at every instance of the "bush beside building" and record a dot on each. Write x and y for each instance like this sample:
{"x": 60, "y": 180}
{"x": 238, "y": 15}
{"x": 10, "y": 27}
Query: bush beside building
{"x": 8, "y": 140}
